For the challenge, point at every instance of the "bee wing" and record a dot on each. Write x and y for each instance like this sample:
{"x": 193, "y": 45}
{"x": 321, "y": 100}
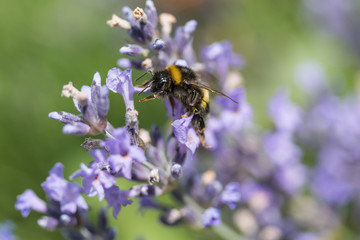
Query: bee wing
{"x": 201, "y": 85}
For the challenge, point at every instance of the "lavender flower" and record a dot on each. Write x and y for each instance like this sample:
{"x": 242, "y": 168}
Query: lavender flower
{"x": 120, "y": 82}
{"x": 67, "y": 194}
{"x": 211, "y": 217}
{"x": 98, "y": 176}
{"x": 116, "y": 199}
{"x": 29, "y": 201}
{"x": 122, "y": 153}
{"x": 92, "y": 102}
{"x": 185, "y": 134}
{"x": 6, "y": 231}
{"x": 285, "y": 114}
{"x": 219, "y": 58}
{"x": 231, "y": 195}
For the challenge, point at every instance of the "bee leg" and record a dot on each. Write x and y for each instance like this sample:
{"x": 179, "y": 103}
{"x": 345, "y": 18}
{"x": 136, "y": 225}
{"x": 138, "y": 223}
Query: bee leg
{"x": 193, "y": 97}
{"x": 172, "y": 104}
{"x": 198, "y": 124}
{"x": 190, "y": 114}
{"x": 202, "y": 140}
{"x": 151, "y": 97}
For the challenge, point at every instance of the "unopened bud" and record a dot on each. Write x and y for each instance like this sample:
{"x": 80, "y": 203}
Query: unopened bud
{"x": 176, "y": 170}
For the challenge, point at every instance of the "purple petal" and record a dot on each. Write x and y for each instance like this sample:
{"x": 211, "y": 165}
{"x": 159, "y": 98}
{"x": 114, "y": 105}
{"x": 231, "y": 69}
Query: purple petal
{"x": 290, "y": 178}
{"x": 124, "y": 63}
{"x": 151, "y": 13}
{"x": 7, "y": 231}
{"x": 183, "y": 35}
{"x": 86, "y": 107}
{"x": 118, "y": 162}
{"x": 95, "y": 88}
{"x": 106, "y": 179}
{"x": 176, "y": 111}
{"x": 181, "y": 62}
{"x": 116, "y": 199}
{"x": 137, "y": 153}
{"x": 77, "y": 128}
{"x": 219, "y": 57}
{"x": 81, "y": 203}
{"x": 284, "y": 113}
{"x": 65, "y": 117}
{"x": 128, "y": 15}
{"x": 144, "y": 191}
{"x": 158, "y": 44}
{"x": 55, "y": 187}
{"x": 120, "y": 82}
{"x": 132, "y": 50}
{"x": 238, "y": 95}
{"x": 99, "y": 155}
{"x": 211, "y": 217}
{"x": 181, "y": 127}
{"x": 48, "y": 223}
{"x": 231, "y": 194}
{"x": 29, "y": 201}
{"x": 192, "y": 140}
{"x": 57, "y": 170}
{"x": 119, "y": 145}
{"x": 72, "y": 199}
{"x": 280, "y": 148}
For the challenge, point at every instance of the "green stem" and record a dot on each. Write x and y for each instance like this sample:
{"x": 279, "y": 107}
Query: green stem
{"x": 223, "y": 230}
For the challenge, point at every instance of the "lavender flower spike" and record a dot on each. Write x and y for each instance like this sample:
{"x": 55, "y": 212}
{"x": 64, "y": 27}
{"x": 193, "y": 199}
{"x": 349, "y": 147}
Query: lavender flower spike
{"x": 29, "y": 201}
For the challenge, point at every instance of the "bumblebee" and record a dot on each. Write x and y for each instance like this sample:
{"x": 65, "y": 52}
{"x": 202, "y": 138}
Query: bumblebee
{"x": 183, "y": 84}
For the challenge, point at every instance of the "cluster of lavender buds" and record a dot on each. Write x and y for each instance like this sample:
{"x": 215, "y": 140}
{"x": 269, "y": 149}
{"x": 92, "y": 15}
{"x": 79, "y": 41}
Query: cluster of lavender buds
{"x": 289, "y": 182}
{"x": 65, "y": 208}
{"x": 6, "y": 231}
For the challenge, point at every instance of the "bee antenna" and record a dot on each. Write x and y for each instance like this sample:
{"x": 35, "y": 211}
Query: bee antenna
{"x": 142, "y": 75}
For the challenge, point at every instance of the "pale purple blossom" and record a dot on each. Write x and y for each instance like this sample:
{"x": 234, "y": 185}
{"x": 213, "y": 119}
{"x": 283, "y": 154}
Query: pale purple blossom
{"x": 211, "y": 217}
{"x": 219, "y": 58}
{"x": 231, "y": 195}
{"x": 284, "y": 113}
{"x": 30, "y": 201}
{"x": 133, "y": 50}
{"x": 185, "y": 134}
{"x": 7, "y": 231}
{"x": 97, "y": 176}
{"x": 279, "y": 146}
{"x": 92, "y": 102}
{"x": 116, "y": 199}
{"x": 120, "y": 82}
{"x": 67, "y": 194}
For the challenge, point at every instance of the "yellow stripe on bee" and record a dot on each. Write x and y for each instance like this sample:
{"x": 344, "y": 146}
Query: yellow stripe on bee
{"x": 205, "y": 99}
{"x": 175, "y": 74}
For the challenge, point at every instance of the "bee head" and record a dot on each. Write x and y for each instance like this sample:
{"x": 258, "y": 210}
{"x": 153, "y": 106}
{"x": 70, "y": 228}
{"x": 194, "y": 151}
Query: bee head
{"x": 161, "y": 82}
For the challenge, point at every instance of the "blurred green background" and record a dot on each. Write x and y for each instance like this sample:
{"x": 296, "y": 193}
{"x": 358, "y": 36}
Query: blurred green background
{"x": 44, "y": 44}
